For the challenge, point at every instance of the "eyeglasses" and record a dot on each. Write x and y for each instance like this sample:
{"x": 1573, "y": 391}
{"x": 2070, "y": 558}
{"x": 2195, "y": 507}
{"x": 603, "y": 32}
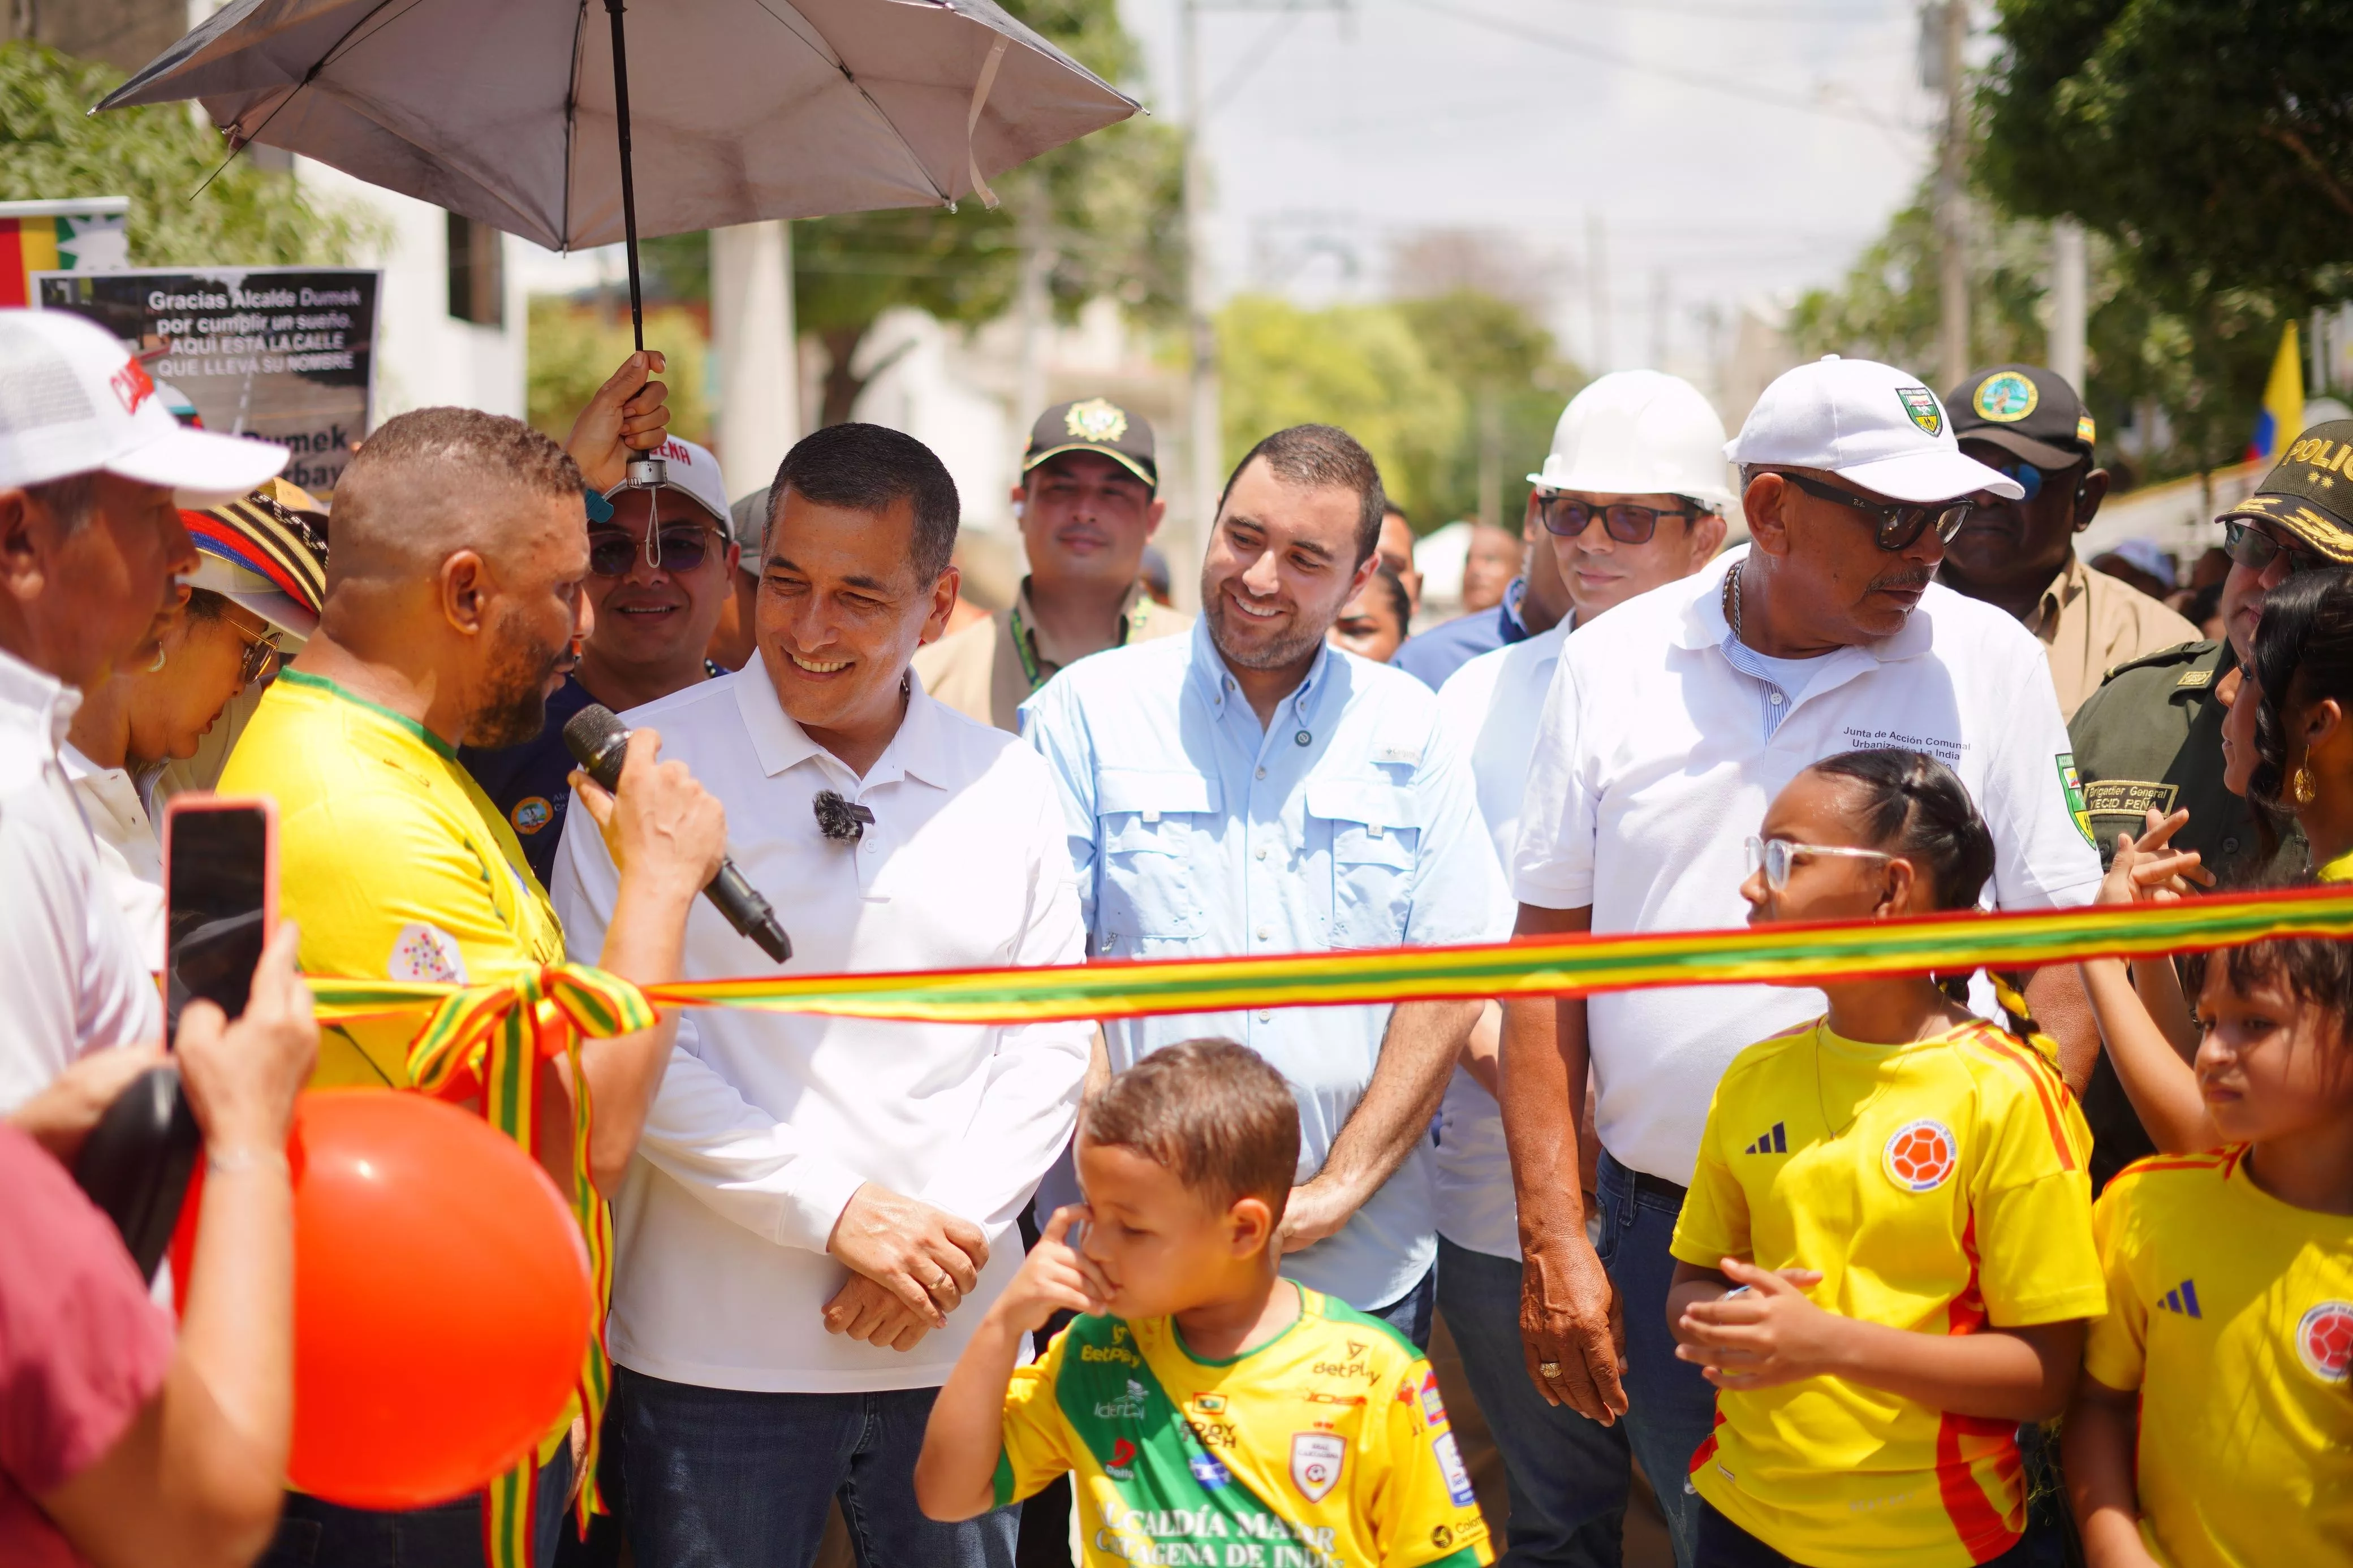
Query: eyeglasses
{"x": 260, "y": 658}
{"x": 1774, "y": 857}
{"x": 1565, "y": 517}
{"x": 680, "y": 547}
{"x": 2025, "y": 475}
{"x": 1896, "y": 524}
{"x": 2255, "y": 550}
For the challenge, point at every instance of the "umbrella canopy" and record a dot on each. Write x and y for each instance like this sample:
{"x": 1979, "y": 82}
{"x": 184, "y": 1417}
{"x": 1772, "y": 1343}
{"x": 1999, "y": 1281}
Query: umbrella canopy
{"x": 738, "y": 111}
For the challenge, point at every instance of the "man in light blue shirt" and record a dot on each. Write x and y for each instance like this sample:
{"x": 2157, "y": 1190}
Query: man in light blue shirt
{"x": 1249, "y": 790}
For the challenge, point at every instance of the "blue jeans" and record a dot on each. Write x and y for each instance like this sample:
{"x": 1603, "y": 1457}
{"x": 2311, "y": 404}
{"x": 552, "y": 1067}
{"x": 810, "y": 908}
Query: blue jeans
{"x": 1411, "y": 1313}
{"x": 315, "y": 1533}
{"x": 1568, "y": 1474}
{"x": 1670, "y": 1408}
{"x": 721, "y": 1479}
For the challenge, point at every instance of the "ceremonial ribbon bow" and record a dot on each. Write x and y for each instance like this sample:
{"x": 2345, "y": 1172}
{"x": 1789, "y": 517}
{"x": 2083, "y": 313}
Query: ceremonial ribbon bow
{"x": 488, "y": 1041}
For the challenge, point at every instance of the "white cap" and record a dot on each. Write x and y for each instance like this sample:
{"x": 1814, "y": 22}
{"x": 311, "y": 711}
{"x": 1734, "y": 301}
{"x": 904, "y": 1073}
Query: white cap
{"x": 1874, "y": 425}
{"x": 694, "y": 474}
{"x": 1639, "y": 432}
{"x": 73, "y": 400}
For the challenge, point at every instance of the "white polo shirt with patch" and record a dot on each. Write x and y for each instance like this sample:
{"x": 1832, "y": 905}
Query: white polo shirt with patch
{"x": 1657, "y": 758}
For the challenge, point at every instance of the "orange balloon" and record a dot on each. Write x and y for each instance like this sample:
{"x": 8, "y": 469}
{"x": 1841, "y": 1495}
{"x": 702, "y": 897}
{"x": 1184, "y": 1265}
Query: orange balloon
{"x": 442, "y": 1303}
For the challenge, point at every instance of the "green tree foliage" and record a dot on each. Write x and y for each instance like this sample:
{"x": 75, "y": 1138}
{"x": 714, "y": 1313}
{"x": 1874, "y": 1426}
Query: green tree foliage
{"x": 2211, "y": 146}
{"x": 52, "y": 148}
{"x": 574, "y": 347}
{"x": 1110, "y": 224}
{"x": 1407, "y": 378}
{"x": 1513, "y": 382}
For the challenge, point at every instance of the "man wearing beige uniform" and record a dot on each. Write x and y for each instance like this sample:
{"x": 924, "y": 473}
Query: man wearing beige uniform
{"x": 1088, "y": 502}
{"x": 2019, "y": 555}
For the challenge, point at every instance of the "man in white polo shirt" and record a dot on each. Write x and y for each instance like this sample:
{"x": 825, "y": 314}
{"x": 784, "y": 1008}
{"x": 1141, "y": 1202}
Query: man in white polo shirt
{"x": 1826, "y": 634}
{"x": 1632, "y": 496}
{"x": 821, "y": 1208}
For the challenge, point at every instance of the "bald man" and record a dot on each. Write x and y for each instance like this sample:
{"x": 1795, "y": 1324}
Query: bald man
{"x": 453, "y": 600}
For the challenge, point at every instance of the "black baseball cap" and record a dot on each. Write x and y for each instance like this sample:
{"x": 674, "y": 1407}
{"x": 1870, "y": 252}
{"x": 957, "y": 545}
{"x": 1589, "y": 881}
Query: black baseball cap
{"x": 1094, "y": 425}
{"x": 2027, "y": 410}
{"x": 2309, "y": 492}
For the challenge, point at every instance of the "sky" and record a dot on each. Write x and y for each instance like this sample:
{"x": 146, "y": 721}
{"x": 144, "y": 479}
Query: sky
{"x": 1744, "y": 148}
{"x": 1734, "y": 152}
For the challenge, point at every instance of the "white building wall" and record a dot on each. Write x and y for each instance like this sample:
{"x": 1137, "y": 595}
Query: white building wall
{"x": 425, "y": 357}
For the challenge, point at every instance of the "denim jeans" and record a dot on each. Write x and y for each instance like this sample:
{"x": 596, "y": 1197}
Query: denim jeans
{"x": 315, "y": 1533}
{"x": 1411, "y": 1313}
{"x": 722, "y": 1478}
{"x": 1568, "y": 1474}
{"x": 1670, "y": 1408}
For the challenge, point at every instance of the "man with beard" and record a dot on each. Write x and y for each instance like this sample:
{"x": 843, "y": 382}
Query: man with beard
{"x": 454, "y": 592}
{"x": 1670, "y": 725}
{"x": 1247, "y": 789}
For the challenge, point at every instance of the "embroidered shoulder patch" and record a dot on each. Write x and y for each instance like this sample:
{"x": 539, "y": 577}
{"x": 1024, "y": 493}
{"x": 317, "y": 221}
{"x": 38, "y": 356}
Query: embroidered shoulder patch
{"x": 423, "y": 952}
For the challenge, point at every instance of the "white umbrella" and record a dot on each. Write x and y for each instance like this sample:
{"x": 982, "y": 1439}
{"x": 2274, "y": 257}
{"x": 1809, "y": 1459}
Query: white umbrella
{"x": 511, "y": 111}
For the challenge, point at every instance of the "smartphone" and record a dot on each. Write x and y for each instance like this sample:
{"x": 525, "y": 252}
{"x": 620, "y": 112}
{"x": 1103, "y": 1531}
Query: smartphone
{"x": 220, "y": 898}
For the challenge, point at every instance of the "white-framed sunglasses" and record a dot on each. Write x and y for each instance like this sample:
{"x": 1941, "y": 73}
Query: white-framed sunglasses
{"x": 1774, "y": 857}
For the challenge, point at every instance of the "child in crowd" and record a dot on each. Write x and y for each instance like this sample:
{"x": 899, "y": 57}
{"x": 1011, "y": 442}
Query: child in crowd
{"x": 1214, "y": 1413}
{"x": 2213, "y": 1426}
{"x": 1886, "y": 1262}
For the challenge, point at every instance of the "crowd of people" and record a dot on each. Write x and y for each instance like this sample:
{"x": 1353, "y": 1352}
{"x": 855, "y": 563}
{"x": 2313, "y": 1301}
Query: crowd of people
{"x": 1815, "y": 1270}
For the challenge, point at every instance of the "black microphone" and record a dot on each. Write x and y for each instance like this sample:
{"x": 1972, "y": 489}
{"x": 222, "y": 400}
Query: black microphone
{"x": 599, "y": 743}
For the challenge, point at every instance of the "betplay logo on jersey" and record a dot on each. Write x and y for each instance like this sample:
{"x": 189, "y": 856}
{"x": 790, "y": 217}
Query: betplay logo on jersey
{"x": 1315, "y": 1461}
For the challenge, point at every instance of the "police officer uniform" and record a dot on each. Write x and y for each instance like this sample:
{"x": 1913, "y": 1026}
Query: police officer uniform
{"x": 989, "y": 669}
{"x": 2151, "y": 736}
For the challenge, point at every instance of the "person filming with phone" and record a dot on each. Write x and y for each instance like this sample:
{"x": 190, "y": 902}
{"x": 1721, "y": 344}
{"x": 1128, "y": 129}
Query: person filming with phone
{"x": 454, "y": 597}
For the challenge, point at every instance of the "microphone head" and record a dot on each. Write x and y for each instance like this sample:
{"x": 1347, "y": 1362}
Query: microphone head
{"x": 597, "y": 739}
{"x": 838, "y": 819}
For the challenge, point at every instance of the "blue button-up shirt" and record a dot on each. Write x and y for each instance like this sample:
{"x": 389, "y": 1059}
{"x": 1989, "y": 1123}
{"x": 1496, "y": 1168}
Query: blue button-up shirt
{"x": 1350, "y": 821}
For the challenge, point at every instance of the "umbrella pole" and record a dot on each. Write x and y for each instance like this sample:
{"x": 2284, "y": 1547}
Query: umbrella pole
{"x": 628, "y": 185}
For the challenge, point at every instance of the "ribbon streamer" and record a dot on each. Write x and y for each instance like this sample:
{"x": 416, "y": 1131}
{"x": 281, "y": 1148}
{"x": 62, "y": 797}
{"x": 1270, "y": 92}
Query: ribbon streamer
{"x": 1567, "y": 965}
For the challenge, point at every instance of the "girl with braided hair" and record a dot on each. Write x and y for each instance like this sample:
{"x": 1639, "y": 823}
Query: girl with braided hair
{"x": 1886, "y": 1262}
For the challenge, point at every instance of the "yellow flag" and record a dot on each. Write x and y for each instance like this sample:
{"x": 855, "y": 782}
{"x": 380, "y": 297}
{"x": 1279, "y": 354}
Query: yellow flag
{"x": 2282, "y": 419}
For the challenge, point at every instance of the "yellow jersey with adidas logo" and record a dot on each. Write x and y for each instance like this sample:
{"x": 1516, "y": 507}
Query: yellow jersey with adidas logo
{"x": 1939, "y": 1187}
{"x": 2231, "y": 1313}
{"x": 1326, "y": 1448}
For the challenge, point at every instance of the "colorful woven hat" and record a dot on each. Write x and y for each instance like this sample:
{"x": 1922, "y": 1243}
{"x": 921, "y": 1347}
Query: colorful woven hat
{"x": 263, "y": 553}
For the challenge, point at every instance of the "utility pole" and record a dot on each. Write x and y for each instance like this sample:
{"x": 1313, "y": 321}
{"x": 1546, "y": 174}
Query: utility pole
{"x": 1204, "y": 441}
{"x": 2069, "y": 303}
{"x": 1660, "y": 288}
{"x": 1037, "y": 267}
{"x": 1952, "y": 203}
{"x": 1597, "y": 290}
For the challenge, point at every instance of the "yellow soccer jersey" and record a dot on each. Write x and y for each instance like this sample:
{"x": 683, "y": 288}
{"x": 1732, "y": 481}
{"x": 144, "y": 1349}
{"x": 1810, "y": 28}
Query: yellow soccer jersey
{"x": 1939, "y": 1186}
{"x": 1326, "y": 1448}
{"x": 2233, "y": 1314}
{"x": 390, "y": 858}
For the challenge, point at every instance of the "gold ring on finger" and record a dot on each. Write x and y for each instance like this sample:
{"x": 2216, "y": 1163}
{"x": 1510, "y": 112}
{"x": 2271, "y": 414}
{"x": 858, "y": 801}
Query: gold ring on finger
{"x": 1547, "y": 1369}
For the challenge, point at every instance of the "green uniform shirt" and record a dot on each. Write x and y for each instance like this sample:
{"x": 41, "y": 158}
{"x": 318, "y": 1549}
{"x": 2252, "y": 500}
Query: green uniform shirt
{"x": 2152, "y": 737}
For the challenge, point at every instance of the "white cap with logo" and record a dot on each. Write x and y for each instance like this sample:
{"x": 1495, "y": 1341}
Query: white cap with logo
{"x": 694, "y": 473}
{"x": 73, "y": 400}
{"x": 1874, "y": 425}
{"x": 1639, "y": 432}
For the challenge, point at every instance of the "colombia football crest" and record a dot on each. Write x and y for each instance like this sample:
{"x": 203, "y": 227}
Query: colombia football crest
{"x": 2324, "y": 1342}
{"x": 1920, "y": 1155}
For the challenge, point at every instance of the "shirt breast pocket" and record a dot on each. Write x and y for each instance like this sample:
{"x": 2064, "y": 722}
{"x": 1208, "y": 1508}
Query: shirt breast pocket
{"x": 1376, "y": 835}
{"x": 1152, "y": 827}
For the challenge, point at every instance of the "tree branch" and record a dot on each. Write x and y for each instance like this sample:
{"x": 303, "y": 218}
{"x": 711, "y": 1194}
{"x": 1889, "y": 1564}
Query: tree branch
{"x": 2328, "y": 183}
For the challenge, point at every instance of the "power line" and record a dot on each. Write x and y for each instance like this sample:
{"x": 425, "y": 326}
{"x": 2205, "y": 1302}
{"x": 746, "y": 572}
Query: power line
{"x": 1727, "y": 85}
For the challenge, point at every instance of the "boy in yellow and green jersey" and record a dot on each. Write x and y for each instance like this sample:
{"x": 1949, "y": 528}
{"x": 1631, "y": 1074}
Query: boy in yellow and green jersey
{"x": 1213, "y": 1413}
{"x": 1938, "y": 1187}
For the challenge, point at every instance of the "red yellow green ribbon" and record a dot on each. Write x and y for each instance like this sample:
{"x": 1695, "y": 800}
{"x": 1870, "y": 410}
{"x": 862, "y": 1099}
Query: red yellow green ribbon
{"x": 1563, "y": 966}
{"x": 488, "y": 1041}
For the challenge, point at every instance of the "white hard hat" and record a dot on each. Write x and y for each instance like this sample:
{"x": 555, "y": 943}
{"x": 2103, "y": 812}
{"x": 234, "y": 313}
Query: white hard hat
{"x": 72, "y": 399}
{"x": 1874, "y": 425}
{"x": 1639, "y": 432}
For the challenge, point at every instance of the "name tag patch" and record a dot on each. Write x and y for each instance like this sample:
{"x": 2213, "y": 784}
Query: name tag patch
{"x": 2108, "y": 797}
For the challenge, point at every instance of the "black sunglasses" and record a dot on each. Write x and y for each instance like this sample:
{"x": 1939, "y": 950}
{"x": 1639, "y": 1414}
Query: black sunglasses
{"x": 1565, "y": 517}
{"x": 1895, "y": 524}
{"x": 679, "y": 547}
{"x": 2255, "y": 550}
